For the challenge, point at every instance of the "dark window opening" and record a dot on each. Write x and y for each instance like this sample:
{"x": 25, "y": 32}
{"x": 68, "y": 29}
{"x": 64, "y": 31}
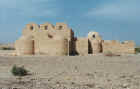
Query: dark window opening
{"x": 60, "y": 27}
{"x": 90, "y": 48}
{"x": 50, "y": 36}
{"x": 31, "y": 27}
{"x": 46, "y": 27}
{"x": 93, "y": 36}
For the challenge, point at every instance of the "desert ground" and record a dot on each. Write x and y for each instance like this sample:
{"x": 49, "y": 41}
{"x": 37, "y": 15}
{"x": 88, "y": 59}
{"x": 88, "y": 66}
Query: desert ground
{"x": 72, "y": 72}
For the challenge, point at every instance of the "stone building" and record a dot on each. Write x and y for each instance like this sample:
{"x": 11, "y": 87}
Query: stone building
{"x": 59, "y": 40}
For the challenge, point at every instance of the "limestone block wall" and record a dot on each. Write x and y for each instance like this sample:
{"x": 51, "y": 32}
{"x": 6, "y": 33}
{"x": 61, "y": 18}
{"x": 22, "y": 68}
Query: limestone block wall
{"x": 81, "y": 46}
{"x": 51, "y": 47}
{"x": 53, "y": 40}
{"x": 24, "y": 46}
{"x": 127, "y": 47}
{"x": 47, "y": 39}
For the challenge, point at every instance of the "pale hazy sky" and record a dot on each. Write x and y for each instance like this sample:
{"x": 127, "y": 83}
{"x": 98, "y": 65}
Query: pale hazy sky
{"x": 113, "y": 19}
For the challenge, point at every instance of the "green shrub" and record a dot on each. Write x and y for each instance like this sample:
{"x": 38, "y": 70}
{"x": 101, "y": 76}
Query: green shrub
{"x": 19, "y": 71}
{"x": 137, "y": 50}
{"x": 7, "y": 48}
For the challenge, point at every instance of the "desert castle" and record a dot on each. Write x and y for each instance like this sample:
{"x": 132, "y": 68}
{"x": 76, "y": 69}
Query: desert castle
{"x": 59, "y": 40}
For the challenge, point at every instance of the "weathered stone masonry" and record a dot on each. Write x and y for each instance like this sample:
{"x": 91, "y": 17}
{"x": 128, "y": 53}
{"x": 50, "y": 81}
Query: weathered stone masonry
{"x": 59, "y": 40}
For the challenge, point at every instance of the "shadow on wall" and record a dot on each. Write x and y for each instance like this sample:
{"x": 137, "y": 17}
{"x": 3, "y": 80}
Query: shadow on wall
{"x": 73, "y": 52}
{"x": 91, "y": 48}
{"x": 90, "y": 51}
{"x": 33, "y": 47}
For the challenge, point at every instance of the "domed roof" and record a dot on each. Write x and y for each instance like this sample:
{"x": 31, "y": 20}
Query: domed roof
{"x": 93, "y": 34}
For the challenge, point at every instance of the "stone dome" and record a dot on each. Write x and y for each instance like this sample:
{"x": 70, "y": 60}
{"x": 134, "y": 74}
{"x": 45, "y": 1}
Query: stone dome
{"x": 93, "y": 34}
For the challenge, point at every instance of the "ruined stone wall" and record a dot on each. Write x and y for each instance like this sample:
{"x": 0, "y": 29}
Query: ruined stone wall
{"x": 81, "y": 46}
{"x": 127, "y": 47}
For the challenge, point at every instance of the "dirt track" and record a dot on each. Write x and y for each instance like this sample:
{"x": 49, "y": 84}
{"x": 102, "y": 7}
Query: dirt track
{"x": 90, "y": 72}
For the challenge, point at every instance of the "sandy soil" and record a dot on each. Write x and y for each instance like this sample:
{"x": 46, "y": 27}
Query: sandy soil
{"x": 75, "y": 72}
